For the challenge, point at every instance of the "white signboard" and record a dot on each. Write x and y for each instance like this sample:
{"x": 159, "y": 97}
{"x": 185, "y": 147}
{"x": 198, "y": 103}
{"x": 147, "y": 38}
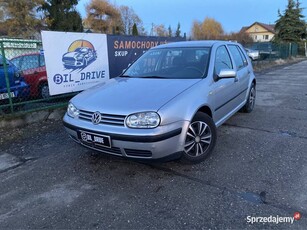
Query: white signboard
{"x": 75, "y": 61}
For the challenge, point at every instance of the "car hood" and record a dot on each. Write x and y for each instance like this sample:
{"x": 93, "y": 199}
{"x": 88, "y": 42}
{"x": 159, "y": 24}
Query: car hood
{"x": 71, "y": 54}
{"x": 129, "y": 95}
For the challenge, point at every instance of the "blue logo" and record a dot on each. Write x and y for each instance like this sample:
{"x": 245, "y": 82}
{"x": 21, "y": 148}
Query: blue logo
{"x": 81, "y": 53}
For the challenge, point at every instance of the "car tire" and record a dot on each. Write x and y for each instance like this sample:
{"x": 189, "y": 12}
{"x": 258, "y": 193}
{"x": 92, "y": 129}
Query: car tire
{"x": 44, "y": 91}
{"x": 251, "y": 99}
{"x": 200, "y": 139}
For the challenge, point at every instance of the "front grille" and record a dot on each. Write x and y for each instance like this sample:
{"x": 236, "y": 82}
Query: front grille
{"x": 107, "y": 119}
{"x": 138, "y": 153}
{"x": 113, "y": 150}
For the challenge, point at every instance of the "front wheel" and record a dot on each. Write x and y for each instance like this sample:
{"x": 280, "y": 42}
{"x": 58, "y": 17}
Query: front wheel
{"x": 44, "y": 91}
{"x": 200, "y": 138}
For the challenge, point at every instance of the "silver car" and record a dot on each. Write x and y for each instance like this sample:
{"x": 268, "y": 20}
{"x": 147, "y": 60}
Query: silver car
{"x": 253, "y": 54}
{"x": 167, "y": 104}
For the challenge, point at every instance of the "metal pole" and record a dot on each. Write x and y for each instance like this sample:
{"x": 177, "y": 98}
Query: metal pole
{"x": 6, "y": 76}
{"x": 305, "y": 49}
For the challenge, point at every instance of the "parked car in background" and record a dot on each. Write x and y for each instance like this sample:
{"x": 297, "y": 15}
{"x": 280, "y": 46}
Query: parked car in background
{"x": 34, "y": 71}
{"x": 253, "y": 54}
{"x": 167, "y": 104}
{"x": 19, "y": 90}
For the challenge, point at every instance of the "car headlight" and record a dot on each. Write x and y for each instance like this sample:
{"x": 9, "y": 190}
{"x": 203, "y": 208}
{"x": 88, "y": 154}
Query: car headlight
{"x": 143, "y": 120}
{"x": 72, "y": 111}
{"x": 17, "y": 74}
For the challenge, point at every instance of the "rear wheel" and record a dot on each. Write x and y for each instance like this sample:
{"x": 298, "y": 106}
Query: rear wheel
{"x": 250, "y": 103}
{"x": 200, "y": 138}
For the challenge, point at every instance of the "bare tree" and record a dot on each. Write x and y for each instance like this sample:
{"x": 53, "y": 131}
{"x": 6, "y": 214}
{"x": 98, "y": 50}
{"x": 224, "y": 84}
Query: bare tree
{"x": 18, "y": 18}
{"x": 129, "y": 18}
{"x": 208, "y": 29}
{"x": 103, "y": 17}
{"x": 160, "y": 30}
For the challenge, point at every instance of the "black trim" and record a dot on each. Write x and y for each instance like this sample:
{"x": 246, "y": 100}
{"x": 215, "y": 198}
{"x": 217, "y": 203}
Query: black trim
{"x": 231, "y": 99}
{"x": 131, "y": 138}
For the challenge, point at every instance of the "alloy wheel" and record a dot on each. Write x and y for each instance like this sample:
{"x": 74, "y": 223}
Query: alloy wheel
{"x": 198, "y": 139}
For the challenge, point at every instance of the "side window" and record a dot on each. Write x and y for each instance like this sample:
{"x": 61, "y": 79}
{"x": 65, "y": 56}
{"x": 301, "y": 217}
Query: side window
{"x": 17, "y": 62}
{"x": 222, "y": 59}
{"x": 237, "y": 56}
{"x": 243, "y": 56}
{"x": 29, "y": 62}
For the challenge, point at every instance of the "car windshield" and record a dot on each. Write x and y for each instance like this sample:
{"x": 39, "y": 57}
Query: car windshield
{"x": 171, "y": 63}
{"x": 81, "y": 49}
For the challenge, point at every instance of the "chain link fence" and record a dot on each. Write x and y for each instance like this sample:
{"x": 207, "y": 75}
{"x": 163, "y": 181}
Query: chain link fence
{"x": 23, "y": 78}
{"x": 268, "y": 51}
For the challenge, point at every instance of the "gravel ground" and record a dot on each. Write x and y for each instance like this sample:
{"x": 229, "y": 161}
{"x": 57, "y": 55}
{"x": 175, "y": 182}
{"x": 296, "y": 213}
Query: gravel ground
{"x": 258, "y": 169}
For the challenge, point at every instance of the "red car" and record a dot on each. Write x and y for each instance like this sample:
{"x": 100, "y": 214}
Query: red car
{"x": 34, "y": 70}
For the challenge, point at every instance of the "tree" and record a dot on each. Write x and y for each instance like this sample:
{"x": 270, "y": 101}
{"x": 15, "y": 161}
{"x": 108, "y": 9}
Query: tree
{"x": 135, "y": 30}
{"x": 18, "y": 18}
{"x": 290, "y": 26}
{"x": 241, "y": 37}
{"x": 62, "y": 15}
{"x": 129, "y": 18}
{"x": 178, "y": 31}
{"x": 170, "y": 32}
{"x": 208, "y": 29}
{"x": 160, "y": 30}
{"x": 103, "y": 17}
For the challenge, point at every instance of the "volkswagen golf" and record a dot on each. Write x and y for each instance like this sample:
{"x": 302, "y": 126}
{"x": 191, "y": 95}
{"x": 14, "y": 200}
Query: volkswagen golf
{"x": 167, "y": 104}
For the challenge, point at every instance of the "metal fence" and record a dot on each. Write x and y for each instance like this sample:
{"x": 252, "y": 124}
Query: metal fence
{"x": 272, "y": 51}
{"x": 23, "y": 78}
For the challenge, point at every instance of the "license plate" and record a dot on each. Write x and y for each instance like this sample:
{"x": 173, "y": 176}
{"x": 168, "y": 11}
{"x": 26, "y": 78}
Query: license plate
{"x": 6, "y": 95}
{"x": 95, "y": 139}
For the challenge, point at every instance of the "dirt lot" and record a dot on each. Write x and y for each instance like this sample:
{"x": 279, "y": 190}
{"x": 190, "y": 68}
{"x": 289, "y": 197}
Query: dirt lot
{"x": 258, "y": 169}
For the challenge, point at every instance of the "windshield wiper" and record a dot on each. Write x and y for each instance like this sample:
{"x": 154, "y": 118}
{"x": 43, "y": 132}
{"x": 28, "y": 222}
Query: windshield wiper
{"x": 153, "y": 76}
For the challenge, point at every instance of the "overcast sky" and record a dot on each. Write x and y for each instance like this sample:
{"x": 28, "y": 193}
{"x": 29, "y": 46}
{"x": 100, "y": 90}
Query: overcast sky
{"x": 232, "y": 14}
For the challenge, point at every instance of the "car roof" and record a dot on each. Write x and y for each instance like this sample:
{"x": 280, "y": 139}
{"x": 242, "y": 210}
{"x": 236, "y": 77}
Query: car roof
{"x": 205, "y": 43}
{"x": 26, "y": 54}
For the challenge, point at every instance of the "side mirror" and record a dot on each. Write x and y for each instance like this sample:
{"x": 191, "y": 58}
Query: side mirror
{"x": 227, "y": 73}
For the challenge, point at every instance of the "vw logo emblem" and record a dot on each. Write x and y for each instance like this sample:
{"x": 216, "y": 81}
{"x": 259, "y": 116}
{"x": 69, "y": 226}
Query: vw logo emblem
{"x": 96, "y": 118}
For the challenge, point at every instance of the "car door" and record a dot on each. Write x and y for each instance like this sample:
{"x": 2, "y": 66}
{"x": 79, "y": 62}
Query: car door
{"x": 243, "y": 73}
{"x": 225, "y": 90}
{"x": 29, "y": 66}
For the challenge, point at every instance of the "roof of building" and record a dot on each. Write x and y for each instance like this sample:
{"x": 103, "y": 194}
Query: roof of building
{"x": 268, "y": 27}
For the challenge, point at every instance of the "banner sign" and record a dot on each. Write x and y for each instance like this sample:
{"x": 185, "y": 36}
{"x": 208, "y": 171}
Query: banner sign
{"x": 123, "y": 50}
{"x": 75, "y": 61}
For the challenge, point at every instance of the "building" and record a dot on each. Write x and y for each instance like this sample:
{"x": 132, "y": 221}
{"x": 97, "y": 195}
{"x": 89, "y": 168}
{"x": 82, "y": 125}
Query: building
{"x": 260, "y": 32}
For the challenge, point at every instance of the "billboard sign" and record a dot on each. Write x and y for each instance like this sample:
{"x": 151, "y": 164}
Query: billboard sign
{"x": 123, "y": 50}
{"x": 75, "y": 61}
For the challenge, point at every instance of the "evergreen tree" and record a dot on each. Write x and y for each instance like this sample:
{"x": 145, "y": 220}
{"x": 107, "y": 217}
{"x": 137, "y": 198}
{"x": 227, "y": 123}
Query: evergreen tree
{"x": 178, "y": 31}
{"x": 135, "y": 30}
{"x": 290, "y": 26}
{"x": 170, "y": 32}
{"x": 62, "y": 15}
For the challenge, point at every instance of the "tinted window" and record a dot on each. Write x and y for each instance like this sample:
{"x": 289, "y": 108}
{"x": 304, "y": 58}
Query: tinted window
{"x": 222, "y": 59}
{"x": 29, "y": 62}
{"x": 175, "y": 63}
{"x": 16, "y": 61}
{"x": 236, "y": 56}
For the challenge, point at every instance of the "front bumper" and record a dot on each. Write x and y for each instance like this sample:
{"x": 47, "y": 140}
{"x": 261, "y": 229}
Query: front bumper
{"x": 161, "y": 142}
